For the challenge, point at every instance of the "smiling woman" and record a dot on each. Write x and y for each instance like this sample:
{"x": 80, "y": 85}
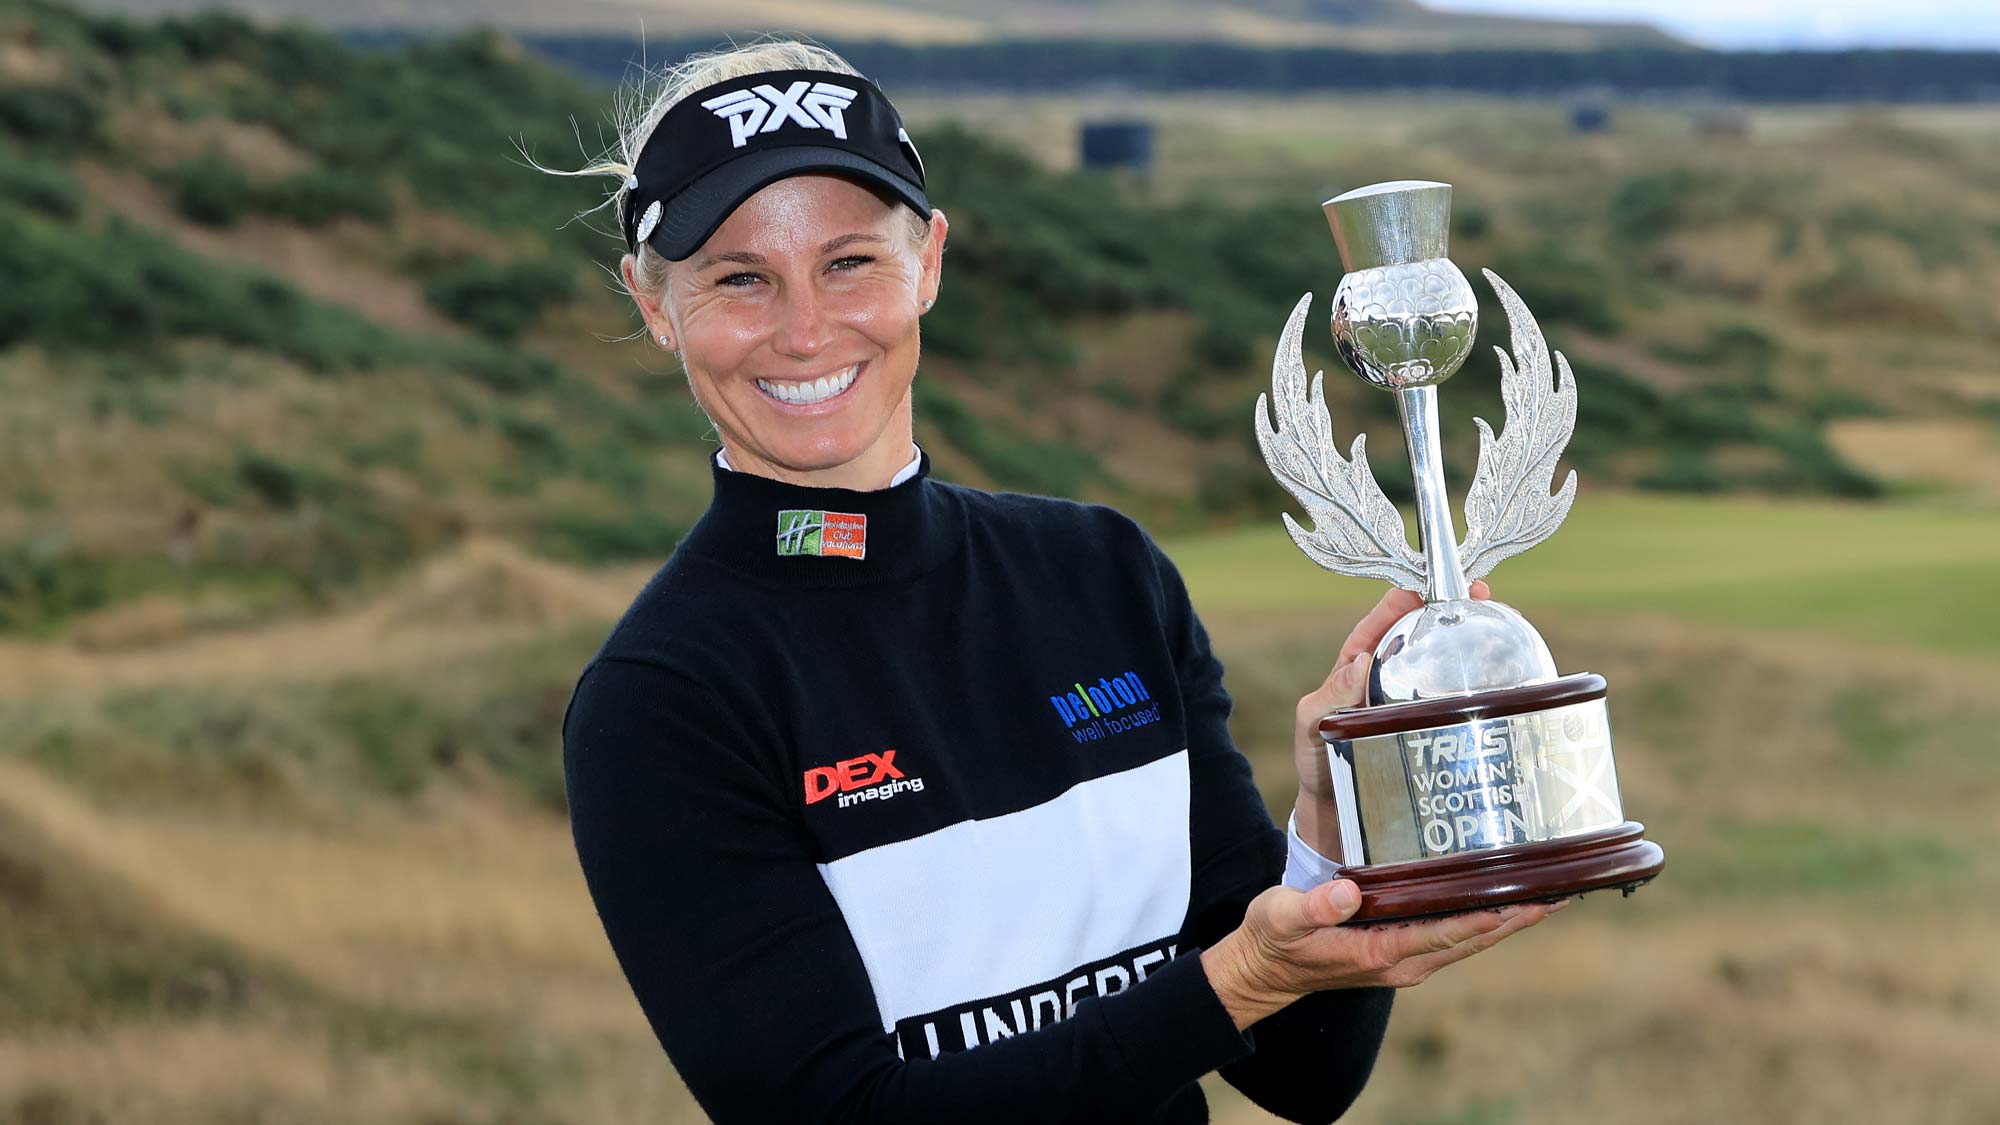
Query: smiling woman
{"x": 796, "y": 256}
{"x": 879, "y": 769}
{"x": 797, "y": 324}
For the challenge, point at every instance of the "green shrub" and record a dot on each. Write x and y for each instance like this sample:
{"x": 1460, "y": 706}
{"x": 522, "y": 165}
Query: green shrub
{"x": 1013, "y": 461}
{"x": 51, "y": 118}
{"x": 389, "y": 729}
{"x": 126, "y": 290}
{"x": 1745, "y": 356}
{"x": 1558, "y": 285}
{"x": 43, "y": 579}
{"x": 119, "y": 35}
{"x": 1222, "y": 346}
{"x": 1180, "y": 404}
{"x": 1117, "y": 393}
{"x": 316, "y": 197}
{"x": 210, "y": 190}
{"x": 278, "y": 482}
{"x": 1814, "y": 466}
{"x": 212, "y": 34}
{"x": 1839, "y": 402}
{"x": 40, "y": 186}
{"x": 506, "y": 370}
{"x": 1238, "y": 484}
{"x": 500, "y": 299}
{"x": 400, "y": 448}
{"x": 1648, "y": 207}
{"x": 1684, "y": 470}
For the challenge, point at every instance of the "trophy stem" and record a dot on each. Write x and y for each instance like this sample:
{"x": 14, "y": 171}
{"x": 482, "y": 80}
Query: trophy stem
{"x": 1444, "y": 575}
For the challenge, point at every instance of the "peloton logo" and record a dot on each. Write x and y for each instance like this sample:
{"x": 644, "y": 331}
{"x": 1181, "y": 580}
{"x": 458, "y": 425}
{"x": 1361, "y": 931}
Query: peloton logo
{"x": 766, "y": 109}
{"x": 871, "y": 777}
{"x": 1114, "y": 705}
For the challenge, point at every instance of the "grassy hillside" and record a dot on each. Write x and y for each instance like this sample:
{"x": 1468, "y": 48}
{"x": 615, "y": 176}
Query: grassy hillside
{"x": 1360, "y": 24}
{"x": 294, "y": 317}
{"x": 291, "y": 317}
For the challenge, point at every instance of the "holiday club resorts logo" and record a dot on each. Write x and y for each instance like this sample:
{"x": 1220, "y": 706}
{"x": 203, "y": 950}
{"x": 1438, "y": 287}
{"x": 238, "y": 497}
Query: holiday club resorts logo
{"x": 841, "y": 534}
{"x": 1110, "y": 706}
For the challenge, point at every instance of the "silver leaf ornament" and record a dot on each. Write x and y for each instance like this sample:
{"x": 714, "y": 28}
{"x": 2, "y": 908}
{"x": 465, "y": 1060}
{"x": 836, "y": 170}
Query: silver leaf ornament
{"x": 1508, "y": 508}
{"x": 1356, "y": 530}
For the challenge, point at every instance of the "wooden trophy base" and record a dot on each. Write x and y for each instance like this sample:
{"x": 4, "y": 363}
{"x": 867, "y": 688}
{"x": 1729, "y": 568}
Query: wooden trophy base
{"x": 1611, "y": 853}
{"x": 1541, "y": 872}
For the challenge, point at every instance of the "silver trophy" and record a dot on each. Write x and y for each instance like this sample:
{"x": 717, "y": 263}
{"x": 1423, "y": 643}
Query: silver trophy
{"x": 1475, "y": 774}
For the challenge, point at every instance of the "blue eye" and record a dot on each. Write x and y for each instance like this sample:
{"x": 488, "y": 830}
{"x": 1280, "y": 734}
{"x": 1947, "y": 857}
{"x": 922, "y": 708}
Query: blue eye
{"x": 856, "y": 259}
{"x": 738, "y": 280}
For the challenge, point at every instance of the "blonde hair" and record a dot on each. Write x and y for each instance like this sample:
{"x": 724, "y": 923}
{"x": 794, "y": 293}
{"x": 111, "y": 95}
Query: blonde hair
{"x": 641, "y": 104}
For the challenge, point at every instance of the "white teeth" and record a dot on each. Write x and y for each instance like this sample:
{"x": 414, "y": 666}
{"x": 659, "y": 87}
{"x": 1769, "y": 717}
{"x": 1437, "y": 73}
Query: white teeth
{"x": 807, "y": 393}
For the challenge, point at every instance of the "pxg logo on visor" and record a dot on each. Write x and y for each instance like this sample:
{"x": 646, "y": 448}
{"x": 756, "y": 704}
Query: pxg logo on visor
{"x": 765, "y": 109}
{"x": 719, "y": 145}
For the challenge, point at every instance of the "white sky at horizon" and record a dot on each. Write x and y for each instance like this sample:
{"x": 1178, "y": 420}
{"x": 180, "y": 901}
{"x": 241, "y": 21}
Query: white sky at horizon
{"x": 1969, "y": 24}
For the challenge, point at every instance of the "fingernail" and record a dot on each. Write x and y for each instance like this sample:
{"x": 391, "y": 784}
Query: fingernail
{"x": 1509, "y": 911}
{"x": 1345, "y": 896}
{"x": 1560, "y": 905}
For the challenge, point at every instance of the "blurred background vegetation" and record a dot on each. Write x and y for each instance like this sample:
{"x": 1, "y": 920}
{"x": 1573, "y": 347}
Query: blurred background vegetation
{"x": 327, "y": 461}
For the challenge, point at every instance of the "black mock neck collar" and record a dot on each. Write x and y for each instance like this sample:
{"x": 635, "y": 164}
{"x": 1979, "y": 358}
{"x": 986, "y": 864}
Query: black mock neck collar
{"x": 909, "y": 528}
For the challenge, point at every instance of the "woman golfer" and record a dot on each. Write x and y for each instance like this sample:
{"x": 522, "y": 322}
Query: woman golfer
{"x": 904, "y": 801}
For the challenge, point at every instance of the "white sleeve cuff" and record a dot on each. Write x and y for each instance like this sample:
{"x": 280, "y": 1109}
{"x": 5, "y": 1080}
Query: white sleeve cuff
{"x": 1304, "y": 867}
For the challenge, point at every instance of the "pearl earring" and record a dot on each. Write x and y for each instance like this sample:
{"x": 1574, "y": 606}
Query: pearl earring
{"x": 665, "y": 343}
{"x": 928, "y": 302}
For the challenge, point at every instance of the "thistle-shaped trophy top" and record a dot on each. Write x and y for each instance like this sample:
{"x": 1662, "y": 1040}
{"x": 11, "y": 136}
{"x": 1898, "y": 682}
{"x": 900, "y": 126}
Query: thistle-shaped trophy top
{"x": 1401, "y": 330}
{"x": 1404, "y": 319}
{"x": 1391, "y": 224}
{"x": 1404, "y": 316}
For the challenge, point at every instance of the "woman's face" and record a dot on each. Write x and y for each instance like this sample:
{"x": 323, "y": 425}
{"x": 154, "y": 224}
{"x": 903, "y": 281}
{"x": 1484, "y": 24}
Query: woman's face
{"x": 797, "y": 323}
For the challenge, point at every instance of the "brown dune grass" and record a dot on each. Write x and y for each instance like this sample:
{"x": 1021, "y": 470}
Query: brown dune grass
{"x": 1819, "y": 948}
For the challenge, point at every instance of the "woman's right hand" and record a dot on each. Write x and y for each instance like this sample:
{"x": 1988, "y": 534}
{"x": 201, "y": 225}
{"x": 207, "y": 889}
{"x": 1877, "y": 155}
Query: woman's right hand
{"x": 1291, "y": 943}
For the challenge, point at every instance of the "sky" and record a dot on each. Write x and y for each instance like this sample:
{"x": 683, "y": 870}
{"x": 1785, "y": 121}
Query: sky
{"x": 1783, "y": 23}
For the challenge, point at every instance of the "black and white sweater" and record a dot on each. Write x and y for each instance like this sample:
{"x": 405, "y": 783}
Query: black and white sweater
{"x": 917, "y": 805}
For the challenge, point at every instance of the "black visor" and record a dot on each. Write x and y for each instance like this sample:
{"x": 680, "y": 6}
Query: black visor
{"x": 721, "y": 144}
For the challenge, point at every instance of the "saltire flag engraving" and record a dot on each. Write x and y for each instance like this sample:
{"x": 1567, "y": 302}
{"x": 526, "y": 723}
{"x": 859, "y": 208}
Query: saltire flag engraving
{"x": 842, "y": 534}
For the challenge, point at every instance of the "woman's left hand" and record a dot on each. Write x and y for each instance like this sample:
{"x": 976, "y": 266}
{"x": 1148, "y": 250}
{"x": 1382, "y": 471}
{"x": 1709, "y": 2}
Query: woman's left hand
{"x": 1345, "y": 686}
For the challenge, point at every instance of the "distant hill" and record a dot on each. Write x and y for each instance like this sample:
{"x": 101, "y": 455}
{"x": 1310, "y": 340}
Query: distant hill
{"x": 1357, "y": 24}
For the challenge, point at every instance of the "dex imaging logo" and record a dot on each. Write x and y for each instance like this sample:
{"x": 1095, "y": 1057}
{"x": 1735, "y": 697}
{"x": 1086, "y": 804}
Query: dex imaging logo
{"x": 766, "y": 109}
{"x": 1110, "y": 706}
{"x": 841, "y": 534}
{"x": 871, "y": 777}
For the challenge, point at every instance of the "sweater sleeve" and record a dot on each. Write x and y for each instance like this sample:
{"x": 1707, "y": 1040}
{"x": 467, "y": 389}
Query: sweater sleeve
{"x": 742, "y": 963}
{"x": 1311, "y": 1058}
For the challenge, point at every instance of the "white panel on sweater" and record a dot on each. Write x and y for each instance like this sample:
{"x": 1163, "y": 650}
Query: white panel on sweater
{"x": 983, "y": 907}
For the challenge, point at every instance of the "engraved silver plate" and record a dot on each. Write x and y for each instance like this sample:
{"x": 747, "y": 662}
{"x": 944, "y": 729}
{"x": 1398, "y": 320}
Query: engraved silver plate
{"x": 1475, "y": 786}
